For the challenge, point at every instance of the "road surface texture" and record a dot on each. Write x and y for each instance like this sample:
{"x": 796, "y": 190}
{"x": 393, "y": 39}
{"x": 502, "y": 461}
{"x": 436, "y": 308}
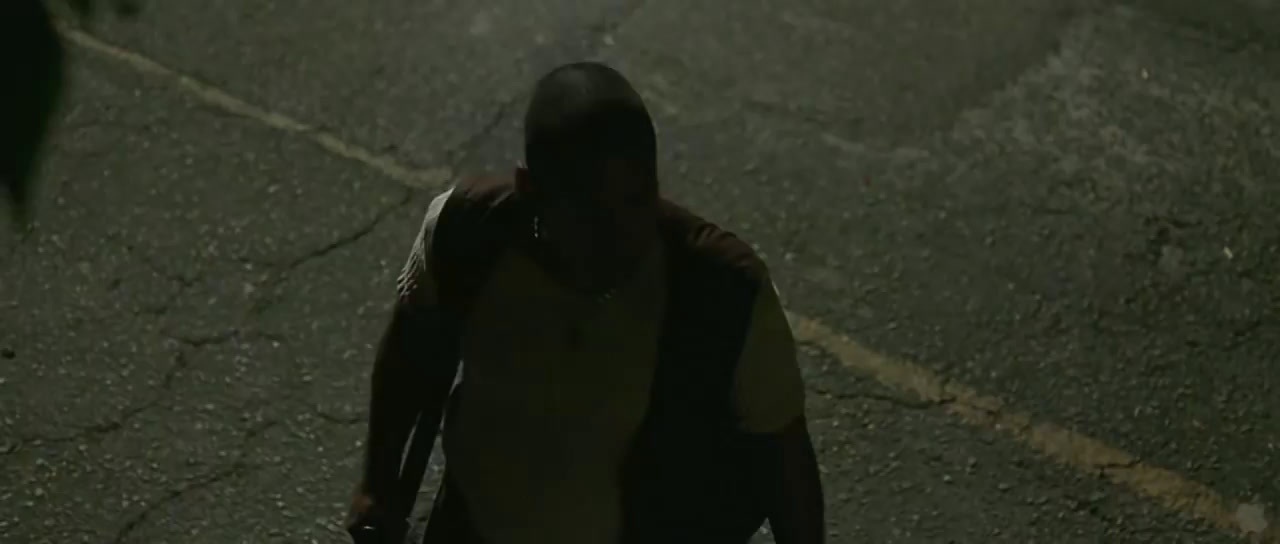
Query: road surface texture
{"x": 1031, "y": 248}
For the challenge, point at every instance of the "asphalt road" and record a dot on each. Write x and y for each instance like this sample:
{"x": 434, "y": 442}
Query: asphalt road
{"x": 1069, "y": 206}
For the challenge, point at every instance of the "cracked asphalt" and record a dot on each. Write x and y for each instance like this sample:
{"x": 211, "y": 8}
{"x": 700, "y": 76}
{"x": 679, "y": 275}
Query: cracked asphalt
{"x": 1068, "y": 205}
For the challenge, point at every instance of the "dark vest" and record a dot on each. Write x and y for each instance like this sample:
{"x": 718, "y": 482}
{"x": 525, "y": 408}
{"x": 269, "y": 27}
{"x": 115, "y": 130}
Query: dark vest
{"x": 688, "y": 477}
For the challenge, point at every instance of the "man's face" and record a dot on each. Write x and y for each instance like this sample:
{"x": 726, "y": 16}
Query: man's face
{"x": 600, "y": 231}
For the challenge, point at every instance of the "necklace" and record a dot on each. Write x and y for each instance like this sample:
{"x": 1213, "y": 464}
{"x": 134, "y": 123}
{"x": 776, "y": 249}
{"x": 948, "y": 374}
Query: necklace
{"x": 573, "y": 335}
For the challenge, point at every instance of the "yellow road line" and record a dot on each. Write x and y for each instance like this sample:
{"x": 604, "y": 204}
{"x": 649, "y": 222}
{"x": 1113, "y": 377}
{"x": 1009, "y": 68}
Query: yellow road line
{"x": 1078, "y": 451}
{"x": 1070, "y": 448}
{"x": 387, "y": 165}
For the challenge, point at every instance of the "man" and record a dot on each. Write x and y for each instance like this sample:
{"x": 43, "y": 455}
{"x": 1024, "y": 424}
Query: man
{"x": 628, "y": 373}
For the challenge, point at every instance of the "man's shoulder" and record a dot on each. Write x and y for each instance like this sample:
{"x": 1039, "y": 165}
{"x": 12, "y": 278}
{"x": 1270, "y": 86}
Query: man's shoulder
{"x": 483, "y": 192}
{"x": 470, "y": 224}
{"x": 478, "y": 205}
{"x": 710, "y": 245}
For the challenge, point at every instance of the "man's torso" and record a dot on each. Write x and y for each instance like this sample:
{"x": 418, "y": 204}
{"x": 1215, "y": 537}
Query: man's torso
{"x": 555, "y": 384}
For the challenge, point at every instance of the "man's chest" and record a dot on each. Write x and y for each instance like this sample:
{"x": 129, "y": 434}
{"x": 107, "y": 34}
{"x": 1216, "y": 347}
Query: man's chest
{"x": 560, "y": 362}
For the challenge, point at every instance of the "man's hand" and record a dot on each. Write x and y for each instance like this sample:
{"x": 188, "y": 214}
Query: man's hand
{"x": 362, "y": 512}
{"x": 362, "y": 524}
{"x": 368, "y": 524}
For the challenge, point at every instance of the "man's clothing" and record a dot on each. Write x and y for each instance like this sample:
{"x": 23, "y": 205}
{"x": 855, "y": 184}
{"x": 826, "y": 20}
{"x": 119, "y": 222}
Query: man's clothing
{"x": 571, "y": 412}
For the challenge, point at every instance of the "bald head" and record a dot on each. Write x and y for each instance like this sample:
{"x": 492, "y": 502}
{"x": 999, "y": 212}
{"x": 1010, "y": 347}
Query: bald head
{"x": 581, "y": 116}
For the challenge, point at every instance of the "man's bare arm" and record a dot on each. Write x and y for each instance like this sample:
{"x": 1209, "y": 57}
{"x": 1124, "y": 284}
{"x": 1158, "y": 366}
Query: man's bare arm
{"x": 796, "y": 509}
{"x": 770, "y": 401}
{"x": 411, "y": 379}
{"x": 412, "y": 375}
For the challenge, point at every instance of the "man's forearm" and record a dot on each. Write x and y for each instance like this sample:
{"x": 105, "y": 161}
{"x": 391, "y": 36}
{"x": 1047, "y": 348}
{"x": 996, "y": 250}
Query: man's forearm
{"x": 797, "y": 513}
{"x": 390, "y": 420}
{"x": 409, "y": 376}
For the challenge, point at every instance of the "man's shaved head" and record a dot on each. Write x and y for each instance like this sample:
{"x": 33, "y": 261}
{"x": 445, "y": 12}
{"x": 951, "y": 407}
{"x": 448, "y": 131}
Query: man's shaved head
{"x": 590, "y": 175}
{"x": 582, "y": 115}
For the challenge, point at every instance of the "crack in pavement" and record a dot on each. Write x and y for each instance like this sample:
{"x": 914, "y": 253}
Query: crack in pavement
{"x": 1103, "y": 467}
{"x": 205, "y": 340}
{"x": 284, "y": 267}
{"x": 1238, "y": 27}
{"x": 223, "y": 337}
{"x": 1243, "y": 334}
{"x": 602, "y": 30}
{"x": 184, "y": 283}
{"x": 597, "y": 36}
{"x": 164, "y": 390}
{"x": 353, "y": 237}
{"x": 894, "y": 400}
{"x": 462, "y": 151}
{"x": 805, "y": 114}
{"x": 587, "y": 41}
{"x": 339, "y": 420}
{"x": 280, "y": 270}
{"x": 236, "y": 468}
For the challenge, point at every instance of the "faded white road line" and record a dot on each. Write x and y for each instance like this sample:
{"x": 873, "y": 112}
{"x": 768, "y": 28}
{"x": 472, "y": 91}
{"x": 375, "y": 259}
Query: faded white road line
{"x": 1078, "y": 451}
{"x": 387, "y": 165}
{"x": 1070, "y": 448}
